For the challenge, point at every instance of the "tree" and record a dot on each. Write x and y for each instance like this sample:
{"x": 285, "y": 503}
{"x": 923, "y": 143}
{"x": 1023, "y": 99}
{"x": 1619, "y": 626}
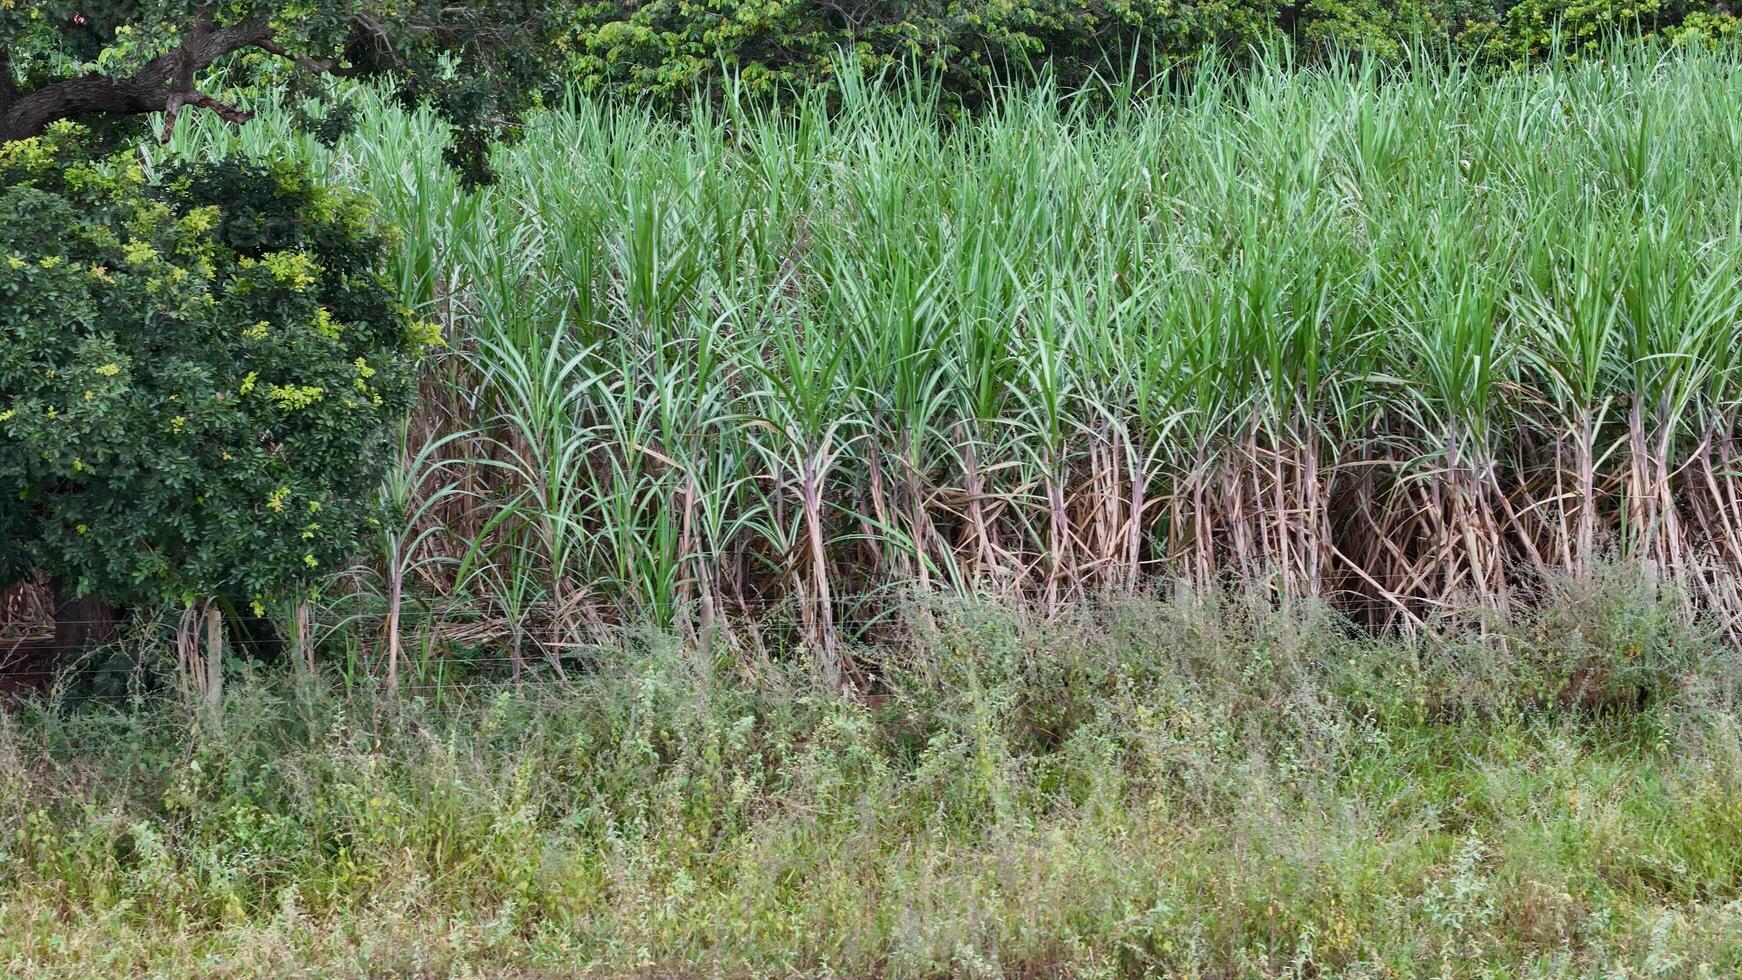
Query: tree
{"x": 117, "y": 304}
{"x": 480, "y": 63}
{"x": 198, "y": 376}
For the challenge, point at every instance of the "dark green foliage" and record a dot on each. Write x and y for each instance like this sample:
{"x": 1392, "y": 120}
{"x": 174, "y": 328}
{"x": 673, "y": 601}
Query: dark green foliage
{"x": 483, "y": 65}
{"x": 196, "y": 373}
{"x": 480, "y": 64}
{"x": 664, "y": 48}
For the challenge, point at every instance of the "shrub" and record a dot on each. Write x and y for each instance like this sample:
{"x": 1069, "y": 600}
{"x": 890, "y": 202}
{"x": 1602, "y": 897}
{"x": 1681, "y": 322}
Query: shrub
{"x": 663, "y": 49}
{"x": 197, "y": 373}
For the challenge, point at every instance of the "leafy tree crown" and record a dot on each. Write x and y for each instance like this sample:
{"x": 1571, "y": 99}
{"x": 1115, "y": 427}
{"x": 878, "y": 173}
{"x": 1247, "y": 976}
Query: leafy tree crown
{"x": 109, "y": 63}
{"x": 198, "y": 373}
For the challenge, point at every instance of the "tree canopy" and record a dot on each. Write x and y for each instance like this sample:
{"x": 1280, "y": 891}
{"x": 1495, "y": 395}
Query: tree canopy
{"x": 199, "y": 374}
{"x": 482, "y": 63}
{"x": 479, "y": 63}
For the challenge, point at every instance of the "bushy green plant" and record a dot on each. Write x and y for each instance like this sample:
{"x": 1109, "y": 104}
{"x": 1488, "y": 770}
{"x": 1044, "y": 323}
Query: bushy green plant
{"x": 664, "y": 48}
{"x": 196, "y": 372}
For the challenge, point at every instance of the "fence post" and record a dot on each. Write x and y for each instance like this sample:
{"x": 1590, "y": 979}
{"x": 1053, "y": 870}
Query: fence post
{"x": 303, "y": 640}
{"x": 214, "y": 657}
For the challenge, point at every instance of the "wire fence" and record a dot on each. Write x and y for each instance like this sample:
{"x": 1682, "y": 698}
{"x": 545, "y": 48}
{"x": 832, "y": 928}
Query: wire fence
{"x": 449, "y": 644}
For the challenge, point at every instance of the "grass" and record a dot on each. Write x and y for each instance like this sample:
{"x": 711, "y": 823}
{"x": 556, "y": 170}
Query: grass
{"x": 1157, "y": 787}
{"x": 1391, "y": 338}
{"x": 1286, "y": 524}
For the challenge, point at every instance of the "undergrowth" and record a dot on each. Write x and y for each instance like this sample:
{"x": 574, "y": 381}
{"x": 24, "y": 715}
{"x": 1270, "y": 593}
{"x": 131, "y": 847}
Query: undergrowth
{"x": 1180, "y": 786}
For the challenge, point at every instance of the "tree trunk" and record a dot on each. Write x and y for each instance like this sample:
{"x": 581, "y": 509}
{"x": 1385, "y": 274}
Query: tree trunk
{"x": 79, "y": 623}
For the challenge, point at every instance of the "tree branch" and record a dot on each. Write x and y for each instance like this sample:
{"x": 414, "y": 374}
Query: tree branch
{"x": 225, "y": 111}
{"x": 151, "y": 89}
{"x": 319, "y": 66}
